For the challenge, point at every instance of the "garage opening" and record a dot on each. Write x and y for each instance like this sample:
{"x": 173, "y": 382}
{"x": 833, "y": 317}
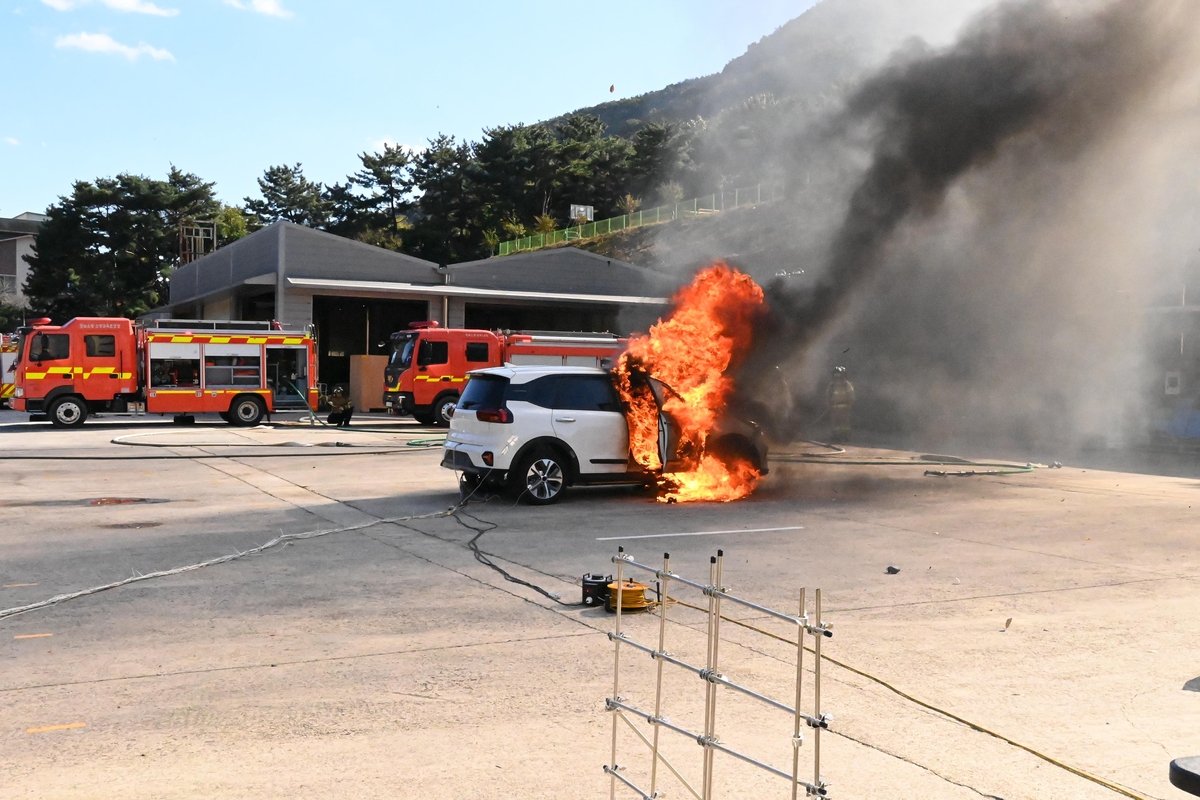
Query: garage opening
{"x": 348, "y": 326}
{"x": 540, "y": 318}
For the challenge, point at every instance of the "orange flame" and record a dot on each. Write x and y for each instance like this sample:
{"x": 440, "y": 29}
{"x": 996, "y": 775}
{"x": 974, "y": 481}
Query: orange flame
{"x": 708, "y": 331}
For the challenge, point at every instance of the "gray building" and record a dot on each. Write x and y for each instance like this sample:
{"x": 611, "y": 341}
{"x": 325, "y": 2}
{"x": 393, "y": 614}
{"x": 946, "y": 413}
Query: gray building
{"x": 356, "y": 295}
{"x": 16, "y": 241}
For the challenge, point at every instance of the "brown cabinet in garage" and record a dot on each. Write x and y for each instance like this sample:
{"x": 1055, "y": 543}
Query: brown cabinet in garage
{"x": 366, "y": 382}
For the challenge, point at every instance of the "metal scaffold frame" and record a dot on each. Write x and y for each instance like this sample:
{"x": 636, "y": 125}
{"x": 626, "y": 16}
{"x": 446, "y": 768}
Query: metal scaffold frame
{"x": 622, "y": 710}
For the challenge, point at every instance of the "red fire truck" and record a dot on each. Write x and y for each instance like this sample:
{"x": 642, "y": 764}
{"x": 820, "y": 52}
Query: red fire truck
{"x": 429, "y": 364}
{"x": 240, "y": 370}
{"x": 8, "y": 369}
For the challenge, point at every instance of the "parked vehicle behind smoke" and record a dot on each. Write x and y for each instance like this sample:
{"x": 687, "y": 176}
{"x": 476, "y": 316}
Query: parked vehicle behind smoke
{"x": 537, "y": 430}
{"x": 428, "y": 366}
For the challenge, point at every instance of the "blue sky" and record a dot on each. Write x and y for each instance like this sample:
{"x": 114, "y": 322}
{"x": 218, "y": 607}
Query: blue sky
{"x": 226, "y": 88}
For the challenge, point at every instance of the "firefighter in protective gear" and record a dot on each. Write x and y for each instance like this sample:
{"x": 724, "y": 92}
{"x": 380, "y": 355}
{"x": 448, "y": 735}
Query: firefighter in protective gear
{"x": 340, "y": 407}
{"x": 841, "y": 404}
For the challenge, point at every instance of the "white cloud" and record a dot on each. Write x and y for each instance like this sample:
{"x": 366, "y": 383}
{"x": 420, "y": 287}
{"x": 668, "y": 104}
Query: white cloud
{"x": 103, "y": 43}
{"x": 140, "y": 7}
{"x": 133, "y": 6}
{"x": 272, "y": 8}
{"x": 12, "y": 140}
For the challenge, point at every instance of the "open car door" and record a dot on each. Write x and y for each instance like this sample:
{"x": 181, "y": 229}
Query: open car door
{"x": 668, "y": 429}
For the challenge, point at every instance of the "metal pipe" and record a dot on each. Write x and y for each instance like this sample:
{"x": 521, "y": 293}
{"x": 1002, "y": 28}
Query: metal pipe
{"x": 708, "y": 686}
{"x": 817, "y": 696}
{"x": 796, "y": 740}
{"x": 727, "y": 596}
{"x": 616, "y": 777}
{"x": 612, "y": 786}
{"x": 714, "y": 668}
{"x": 710, "y": 745}
{"x": 662, "y": 640}
{"x": 668, "y": 764}
{"x": 704, "y": 674}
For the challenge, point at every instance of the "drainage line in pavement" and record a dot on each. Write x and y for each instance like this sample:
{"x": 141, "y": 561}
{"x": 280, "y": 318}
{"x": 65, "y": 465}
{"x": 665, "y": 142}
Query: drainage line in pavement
{"x": 278, "y": 540}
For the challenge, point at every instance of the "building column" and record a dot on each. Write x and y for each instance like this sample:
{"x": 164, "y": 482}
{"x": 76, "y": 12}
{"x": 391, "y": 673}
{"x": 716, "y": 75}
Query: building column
{"x": 458, "y": 313}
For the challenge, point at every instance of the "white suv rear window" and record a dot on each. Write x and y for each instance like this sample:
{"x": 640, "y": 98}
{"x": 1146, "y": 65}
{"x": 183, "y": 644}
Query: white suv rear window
{"x": 484, "y": 391}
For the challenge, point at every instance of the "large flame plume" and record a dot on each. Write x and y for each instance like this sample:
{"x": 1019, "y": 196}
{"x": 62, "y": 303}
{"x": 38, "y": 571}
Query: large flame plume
{"x": 691, "y": 352}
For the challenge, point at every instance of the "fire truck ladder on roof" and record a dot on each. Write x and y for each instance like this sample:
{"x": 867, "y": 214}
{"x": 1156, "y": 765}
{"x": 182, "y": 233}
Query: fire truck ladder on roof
{"x": 210, "y": 325}
{"x": 622, "y": 710}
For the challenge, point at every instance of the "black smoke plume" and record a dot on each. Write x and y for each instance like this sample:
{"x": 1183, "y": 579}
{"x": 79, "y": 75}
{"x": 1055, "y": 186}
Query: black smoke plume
{"x": 1048, "y": 76}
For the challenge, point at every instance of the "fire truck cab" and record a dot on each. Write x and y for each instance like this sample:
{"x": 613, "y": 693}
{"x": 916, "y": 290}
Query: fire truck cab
{"x": 239, "y": 370}
{"x": 428, "y": 367}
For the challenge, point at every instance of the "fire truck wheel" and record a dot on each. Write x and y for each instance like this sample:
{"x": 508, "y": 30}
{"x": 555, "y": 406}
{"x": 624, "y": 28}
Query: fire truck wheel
{"x": 247, "y": 411}
{"x": 443, "y": 409}
{"x": 541, "y": 477}
{"x": 68, "y": 412}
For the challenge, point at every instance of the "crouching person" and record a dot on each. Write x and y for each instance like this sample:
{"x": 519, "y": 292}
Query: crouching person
{"x": 340, "y": 408}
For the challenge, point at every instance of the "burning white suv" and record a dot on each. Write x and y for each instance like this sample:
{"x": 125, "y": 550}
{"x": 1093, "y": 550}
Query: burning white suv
{"x": 539, "y": 429}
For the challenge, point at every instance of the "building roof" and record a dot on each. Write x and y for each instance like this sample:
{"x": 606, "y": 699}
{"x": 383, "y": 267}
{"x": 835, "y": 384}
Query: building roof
{"x": 315, "y": 260}
{"x": 304, "y": 252}
{"x": 23, "y": 225}
{"x": 475, "y": 293}
{"x": 560, "y": 269}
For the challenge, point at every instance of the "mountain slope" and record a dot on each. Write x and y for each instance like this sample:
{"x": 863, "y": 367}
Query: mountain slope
{"x": 831, "y": 43}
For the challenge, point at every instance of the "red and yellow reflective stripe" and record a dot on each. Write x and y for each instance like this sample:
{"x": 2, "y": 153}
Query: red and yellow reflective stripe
{"x": 271, "y": 340}
{"x": 79, "y": 372}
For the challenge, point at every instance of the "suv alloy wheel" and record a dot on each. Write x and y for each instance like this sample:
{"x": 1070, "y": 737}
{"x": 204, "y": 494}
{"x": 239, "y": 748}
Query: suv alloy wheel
{"x": 541, "y": 477}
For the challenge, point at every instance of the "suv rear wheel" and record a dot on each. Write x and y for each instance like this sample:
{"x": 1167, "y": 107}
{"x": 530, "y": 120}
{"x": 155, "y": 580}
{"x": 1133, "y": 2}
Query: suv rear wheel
{"x": 541, "y": 477}
{"x": 68, "y": 412}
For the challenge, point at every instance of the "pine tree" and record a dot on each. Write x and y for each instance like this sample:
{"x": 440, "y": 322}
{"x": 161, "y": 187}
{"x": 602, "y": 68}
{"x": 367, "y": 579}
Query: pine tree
{"x": 287, "y": 194}
{"x": 107, "y": 249}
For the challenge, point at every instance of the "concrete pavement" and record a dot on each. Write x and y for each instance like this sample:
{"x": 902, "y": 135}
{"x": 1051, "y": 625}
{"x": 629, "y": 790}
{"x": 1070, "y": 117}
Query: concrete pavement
{"x": 389, "y": 662}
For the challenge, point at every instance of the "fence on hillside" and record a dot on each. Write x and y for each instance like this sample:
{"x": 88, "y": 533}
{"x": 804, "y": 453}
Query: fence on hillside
{"x": 697, "y": 206}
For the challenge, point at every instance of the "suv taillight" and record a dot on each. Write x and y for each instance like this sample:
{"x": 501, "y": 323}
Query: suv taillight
{"x": 494, "y": 415}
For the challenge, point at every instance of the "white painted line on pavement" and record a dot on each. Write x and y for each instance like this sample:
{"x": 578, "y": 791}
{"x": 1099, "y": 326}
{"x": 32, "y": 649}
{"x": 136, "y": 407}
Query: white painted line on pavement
{"x": 698, "y": 533}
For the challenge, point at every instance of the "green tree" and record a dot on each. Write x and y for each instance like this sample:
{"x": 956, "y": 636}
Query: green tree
{"x": 12, "y": 316}
{"x": 492, "y": 240}
{"x": 513, "y": 227}
{"x": 387, "y": 179}
{"x": 371, "y": 205}
{"x": 231, "y": 224}
{"x": 106, "y": 250}
{"x": 287, "y": 194}
{"x": 544, "y": 223}
{"x": 628, "y": 205}
{"x": 444, "y": 221}
{"x": 661, "y": 154}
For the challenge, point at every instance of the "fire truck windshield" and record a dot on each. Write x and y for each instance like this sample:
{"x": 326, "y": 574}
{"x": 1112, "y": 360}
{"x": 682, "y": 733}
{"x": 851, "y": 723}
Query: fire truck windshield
{"x": 402, "y": 352}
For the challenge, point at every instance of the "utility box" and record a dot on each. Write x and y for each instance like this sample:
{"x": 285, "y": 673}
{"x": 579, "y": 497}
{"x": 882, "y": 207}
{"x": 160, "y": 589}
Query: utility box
{"x": 366, "y": 382}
